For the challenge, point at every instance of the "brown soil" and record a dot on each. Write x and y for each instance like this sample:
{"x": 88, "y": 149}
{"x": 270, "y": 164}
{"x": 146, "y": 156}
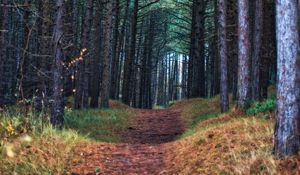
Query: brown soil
{"x": 143, "y": 151}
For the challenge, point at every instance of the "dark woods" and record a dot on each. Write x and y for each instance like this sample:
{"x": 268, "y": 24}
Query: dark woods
{"x": 150, "y": 53}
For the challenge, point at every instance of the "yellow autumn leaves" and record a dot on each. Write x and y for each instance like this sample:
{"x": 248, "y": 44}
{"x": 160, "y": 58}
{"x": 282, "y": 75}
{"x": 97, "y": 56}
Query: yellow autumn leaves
{"x": 8, "y": 128}
{"x": 13, "y": 127}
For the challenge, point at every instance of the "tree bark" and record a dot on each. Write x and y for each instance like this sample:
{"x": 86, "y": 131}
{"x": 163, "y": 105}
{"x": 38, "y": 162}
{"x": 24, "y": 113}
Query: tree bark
{"x": 223, "y": 56}
{"x": 257, "y": 49}
{"x": 105, "y": 87}
{"x": 287, "y": 138}
{"x": 243, "y": 54}
{"x": 97, "y": 58}
{"x": 57, "y": 109}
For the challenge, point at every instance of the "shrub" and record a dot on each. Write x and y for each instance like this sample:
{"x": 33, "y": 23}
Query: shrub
{"x": 262, "y": 107}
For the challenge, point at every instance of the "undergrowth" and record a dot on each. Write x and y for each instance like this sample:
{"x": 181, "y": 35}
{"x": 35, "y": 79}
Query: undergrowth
{"x": 29, "y": 145}
{"x": 100, "y": 125}
{"x": 232, "y": 143}
{"x": 262, "y": 107}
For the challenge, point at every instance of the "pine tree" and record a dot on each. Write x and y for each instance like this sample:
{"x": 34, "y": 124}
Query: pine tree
{"x": 57, "y": 106}
{"x": 105, "y": 86}
{"x": 287, "y": 129}
{"x": 244, "y": 45}
{"x": 223, "y": 55}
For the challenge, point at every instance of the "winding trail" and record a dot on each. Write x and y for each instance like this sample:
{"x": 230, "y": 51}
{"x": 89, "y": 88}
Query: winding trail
{"x": 143, "y": 153}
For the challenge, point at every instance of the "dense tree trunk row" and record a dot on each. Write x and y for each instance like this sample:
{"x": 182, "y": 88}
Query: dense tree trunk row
{"x": 149, "y": 54}
{"x": 125, "y": 53}
{"x": 200, "y": 77}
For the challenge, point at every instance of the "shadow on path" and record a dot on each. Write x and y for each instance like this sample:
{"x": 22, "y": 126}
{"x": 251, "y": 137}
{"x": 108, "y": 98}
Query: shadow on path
{"x": 154, "y": 127}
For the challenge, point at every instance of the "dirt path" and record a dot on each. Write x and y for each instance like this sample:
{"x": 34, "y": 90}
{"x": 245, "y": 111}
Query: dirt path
{"x": 142, "y": 154}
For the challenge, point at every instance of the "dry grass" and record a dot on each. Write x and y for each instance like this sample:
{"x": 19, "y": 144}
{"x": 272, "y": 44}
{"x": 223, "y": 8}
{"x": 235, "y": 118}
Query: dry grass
{"x": 231, "y": 143}
{"x": 43, "y": 153}
{"x": 29, "y": 145}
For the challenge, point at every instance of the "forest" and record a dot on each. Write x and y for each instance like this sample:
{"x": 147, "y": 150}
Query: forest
{"x": 149, "y": 87}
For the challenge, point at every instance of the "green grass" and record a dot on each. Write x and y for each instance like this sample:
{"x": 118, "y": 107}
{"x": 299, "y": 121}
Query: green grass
{"x": 198, "y": 111}
{"x": 100, "y": 125}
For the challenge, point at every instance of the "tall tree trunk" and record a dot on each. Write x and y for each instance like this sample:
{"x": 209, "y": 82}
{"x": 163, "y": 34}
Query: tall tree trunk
{"x": 176, "y": 79}
{"x": 184, "y": 77}
{"x": 243, "y": 54}
{"x": 257, "y": 47}
{"x": 197, "y": 73}
{"x": 115, "y": 59}
{"x": 223, "y": 56}
{"x": 107, "y": 57}
{"x": 216, "y": 57}
{"x": 97, "y": 58}
{"x": 128, "y": 67}
{"x": 287, "y": 138}
{"x": 190, "y": 91}
{"x": 57, "y": 109}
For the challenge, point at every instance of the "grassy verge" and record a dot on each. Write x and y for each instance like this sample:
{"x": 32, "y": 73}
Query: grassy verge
{"x": 99, "y": 125}
{"x": 231, "y": 143}
{"x": 195, "y": 111}
{"x": 29, "y": 145}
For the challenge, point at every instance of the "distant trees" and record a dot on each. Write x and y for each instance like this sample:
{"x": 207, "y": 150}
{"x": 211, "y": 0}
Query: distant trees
{"x": 83, "y": 73}
{"x": 44, "y": 85}
{"x": 287, "y": 138}
{"x": 156, "y": 53}
{"x": 3, "y": 31}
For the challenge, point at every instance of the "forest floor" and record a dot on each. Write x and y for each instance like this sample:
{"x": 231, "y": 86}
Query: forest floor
{"x": 144, "y": 151}
{"x": 191, "y": 137}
